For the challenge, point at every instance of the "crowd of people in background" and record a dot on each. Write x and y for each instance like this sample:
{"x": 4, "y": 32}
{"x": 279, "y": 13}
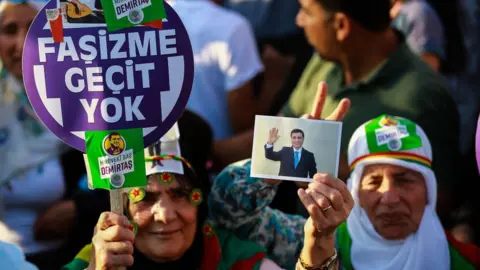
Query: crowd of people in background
{"x": 339, "y": 60}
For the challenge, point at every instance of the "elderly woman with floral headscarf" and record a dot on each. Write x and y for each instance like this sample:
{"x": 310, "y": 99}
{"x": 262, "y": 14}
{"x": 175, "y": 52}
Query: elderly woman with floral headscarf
{"x": 165, "y": 226}
{"x": 393, "y": 224}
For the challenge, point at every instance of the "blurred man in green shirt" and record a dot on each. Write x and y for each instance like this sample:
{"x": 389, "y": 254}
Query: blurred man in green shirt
{"x": 362, "y": 58}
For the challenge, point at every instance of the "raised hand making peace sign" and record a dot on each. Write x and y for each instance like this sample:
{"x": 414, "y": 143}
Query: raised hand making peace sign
{"x": 327, "y": 200}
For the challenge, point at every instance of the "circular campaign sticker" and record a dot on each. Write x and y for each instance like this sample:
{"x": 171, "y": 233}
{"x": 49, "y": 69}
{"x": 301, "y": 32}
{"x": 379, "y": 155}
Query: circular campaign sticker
{"x": 80, "y": 77}
{"x": 117, "y": 180}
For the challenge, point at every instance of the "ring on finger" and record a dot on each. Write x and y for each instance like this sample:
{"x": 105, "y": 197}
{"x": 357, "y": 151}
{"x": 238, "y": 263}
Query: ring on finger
{"x": 317, "y": 228}
{"x": 320, "y": 199}
{"x": 326, "y": 208}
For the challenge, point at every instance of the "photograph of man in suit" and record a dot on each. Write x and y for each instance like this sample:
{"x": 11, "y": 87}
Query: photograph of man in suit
{"x": 295, "y": 161}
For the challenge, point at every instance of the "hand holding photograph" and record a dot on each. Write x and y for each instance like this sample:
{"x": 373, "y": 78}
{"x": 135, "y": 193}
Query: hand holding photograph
{"x": 295, "y": 149}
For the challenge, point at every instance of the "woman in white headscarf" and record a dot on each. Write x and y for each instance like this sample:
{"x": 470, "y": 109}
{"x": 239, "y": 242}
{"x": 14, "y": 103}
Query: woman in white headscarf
{"x": 393, "y": 224}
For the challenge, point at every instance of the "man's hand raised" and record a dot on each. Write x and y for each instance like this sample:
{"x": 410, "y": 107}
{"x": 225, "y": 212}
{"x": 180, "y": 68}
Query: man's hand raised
{"x": 273, "y": 136}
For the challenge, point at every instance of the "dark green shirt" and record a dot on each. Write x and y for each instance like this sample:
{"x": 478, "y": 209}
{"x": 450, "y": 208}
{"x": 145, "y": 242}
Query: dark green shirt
{"x": 403, "y": 86}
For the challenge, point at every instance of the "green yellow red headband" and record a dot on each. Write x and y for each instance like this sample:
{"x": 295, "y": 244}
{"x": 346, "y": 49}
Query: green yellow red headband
{"x": 408, "y": 157}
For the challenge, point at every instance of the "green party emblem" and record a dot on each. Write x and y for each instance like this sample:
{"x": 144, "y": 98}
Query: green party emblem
{"x": 120, "y": 14}
{"x": 166, "y": 178}
{"x": 117, "y": 180}
{"x": 115, "y": 158}
{"x": 135, "y": 16}
{"x": 390, "y": 133}
{"x": 196, "y": 197}
{"x": 136, "y": 194}
{"x": 394, "y": 144}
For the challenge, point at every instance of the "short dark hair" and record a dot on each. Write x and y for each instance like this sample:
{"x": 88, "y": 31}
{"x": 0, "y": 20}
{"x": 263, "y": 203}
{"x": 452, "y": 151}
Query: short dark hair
{"x": 113, "y": 134}
{"x": 374, "y": 15}
{"x": 296, "y": 130}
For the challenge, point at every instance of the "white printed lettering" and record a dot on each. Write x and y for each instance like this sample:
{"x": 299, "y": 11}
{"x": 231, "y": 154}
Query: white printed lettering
{"x": 145, "y": 68}
{"x": 164, "y": 41}
{"x": 67, "y": 49}
{"x": 135, "y": 43}
{"x": 109, "y": 78}
{"x": 118, "y": 110}
{"x": 90, "y": 109}
{"x": 68, "y": 80}
{"x": 43, "y": 49}
{"x": 92, "y": 79}
{"x": 132, "y": 109}
{"x": 89, "y": 48}
{"x": 130, "y": 77}
{"x": 119, "y": 41}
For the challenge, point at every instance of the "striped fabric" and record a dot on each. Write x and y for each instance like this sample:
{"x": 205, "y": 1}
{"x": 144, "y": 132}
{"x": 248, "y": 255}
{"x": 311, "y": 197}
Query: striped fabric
{"x": 405, "y": 156}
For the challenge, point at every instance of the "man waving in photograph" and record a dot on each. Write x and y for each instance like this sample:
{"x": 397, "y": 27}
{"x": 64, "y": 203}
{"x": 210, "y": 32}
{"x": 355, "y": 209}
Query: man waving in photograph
{"x": 295, "y": 161}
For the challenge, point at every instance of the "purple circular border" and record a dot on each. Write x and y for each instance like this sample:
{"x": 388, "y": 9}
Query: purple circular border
{"x": 73, "y": 140}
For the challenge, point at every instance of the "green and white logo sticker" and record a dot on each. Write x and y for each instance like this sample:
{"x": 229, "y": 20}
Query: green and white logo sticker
{"x": 120, "y": 14}
{"x": 135, "y": 16}
{"x": 390, "y": 133}
{"x": 117, "y": 180}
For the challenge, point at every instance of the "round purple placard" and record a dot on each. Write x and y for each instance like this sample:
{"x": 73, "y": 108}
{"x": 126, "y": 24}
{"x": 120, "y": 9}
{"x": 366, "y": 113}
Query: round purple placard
{"x": 140, "y": 77}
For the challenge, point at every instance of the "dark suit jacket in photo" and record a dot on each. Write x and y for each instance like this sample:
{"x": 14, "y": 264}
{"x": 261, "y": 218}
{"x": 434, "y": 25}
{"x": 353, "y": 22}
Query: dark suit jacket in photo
{"x": 306, "y": 168}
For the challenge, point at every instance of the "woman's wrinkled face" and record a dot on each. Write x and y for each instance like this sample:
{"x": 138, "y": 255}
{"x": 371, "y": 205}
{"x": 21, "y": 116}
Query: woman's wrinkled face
{"x": 166, "y": 219}
{"x": 14, "y": 23}
{"x": 394, "y": 199}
